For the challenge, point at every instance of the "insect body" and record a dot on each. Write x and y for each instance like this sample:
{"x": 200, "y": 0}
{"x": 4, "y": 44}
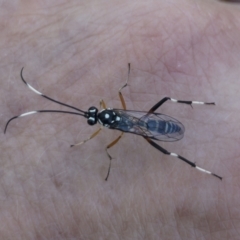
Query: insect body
{"x": 153, "y": 125}
{"x": 150, "y": 125}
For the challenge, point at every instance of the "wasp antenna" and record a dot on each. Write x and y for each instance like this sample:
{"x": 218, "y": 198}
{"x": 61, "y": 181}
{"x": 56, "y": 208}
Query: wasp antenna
{"x": 5, "y": 129}
{"x": 51, "y": 99}
{"x": 21, "y": 115}
{"x": 41, "y": 111}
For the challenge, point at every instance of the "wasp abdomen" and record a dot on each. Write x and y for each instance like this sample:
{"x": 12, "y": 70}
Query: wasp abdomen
{"x": 163, "y": 127}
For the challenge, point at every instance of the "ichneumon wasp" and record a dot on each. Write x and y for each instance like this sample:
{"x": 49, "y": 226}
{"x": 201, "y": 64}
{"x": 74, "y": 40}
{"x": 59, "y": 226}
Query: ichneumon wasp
{"x": 150, "y": 125}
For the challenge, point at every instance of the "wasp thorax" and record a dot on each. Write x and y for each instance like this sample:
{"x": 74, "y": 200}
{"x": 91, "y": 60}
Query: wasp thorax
{"x": 92, "y": 115}
{"x": 107, "y": 117}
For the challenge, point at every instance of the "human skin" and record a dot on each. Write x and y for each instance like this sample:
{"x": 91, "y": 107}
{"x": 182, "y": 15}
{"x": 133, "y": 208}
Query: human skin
{"x": 77, "y": 52}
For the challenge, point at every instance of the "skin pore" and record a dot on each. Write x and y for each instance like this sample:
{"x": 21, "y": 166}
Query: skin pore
{"x": 77, "y": 52}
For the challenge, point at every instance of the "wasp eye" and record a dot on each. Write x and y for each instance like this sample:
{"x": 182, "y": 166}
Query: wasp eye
{"x": 91, "y": 121}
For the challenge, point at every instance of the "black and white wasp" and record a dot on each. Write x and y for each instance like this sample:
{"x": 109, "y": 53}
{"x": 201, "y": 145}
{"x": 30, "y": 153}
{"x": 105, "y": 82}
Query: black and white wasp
{"x": 150, "y": 125}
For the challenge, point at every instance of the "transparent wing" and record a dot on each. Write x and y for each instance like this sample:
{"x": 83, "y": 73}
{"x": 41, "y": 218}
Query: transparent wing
{"x": 153, "y": 125}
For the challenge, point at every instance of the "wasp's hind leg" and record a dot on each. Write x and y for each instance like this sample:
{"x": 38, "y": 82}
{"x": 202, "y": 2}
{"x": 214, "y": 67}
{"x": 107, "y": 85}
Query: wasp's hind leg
{"x": 164, "y": 151}
{"x": 161, "y": 102}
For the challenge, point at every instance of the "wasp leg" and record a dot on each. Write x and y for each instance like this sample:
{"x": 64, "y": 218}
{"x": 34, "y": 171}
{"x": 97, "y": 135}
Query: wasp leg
{"x": 164, "y": 151}
{"x": 157, "y": 105}
{"x": 92, "y": 136}
{"x": 110, "y": 158}
{"x": 102, "y": 104}
{"x": 120, "y": 89}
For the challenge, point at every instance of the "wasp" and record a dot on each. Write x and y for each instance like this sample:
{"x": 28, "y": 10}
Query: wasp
{"x": 147, "y": 124}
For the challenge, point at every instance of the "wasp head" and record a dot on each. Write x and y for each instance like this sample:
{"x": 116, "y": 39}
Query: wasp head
{"x": 92, "y": 115}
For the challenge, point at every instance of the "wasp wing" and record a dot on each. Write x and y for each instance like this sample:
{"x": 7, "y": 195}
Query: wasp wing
{"x": 153, "y": 125}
